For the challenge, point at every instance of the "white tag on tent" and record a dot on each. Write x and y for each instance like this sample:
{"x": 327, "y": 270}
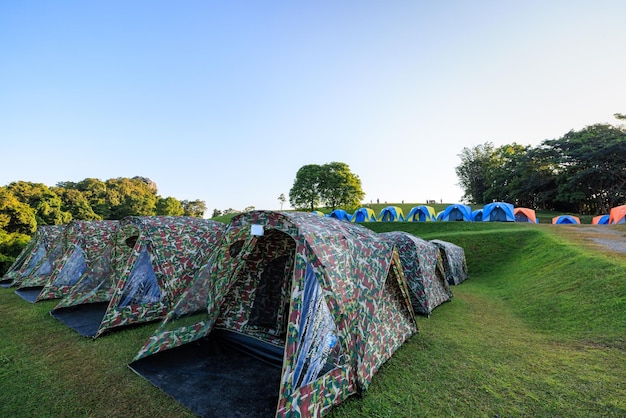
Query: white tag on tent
{"x": 256, "y": 229}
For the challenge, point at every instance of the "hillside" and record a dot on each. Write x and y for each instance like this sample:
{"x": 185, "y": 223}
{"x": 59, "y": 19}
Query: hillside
{"x": 538, "y": 330}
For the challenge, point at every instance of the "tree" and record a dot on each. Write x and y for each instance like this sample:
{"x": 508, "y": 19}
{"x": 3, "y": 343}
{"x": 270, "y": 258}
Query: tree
{"x": 169, "y": 206}
{"x": 130, "y": 197}
{"x": 282, "y": 199}
{"x": 75, "y": 203}
{"x": 619, "y": 116}
{"x": 591, "y": 166}
{"x": 473, "y": 170}
{"x": 45, "y": 202}
{"x": 216, "y": 213}
{"x": 305, "y": 190}
{"x": 16, "y": 216}
{"x": 339, "y": 187}
{"x": 195, "y": 208}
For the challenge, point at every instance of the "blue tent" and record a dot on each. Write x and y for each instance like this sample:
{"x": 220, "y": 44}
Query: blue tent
{"x": 600, "y": 220}
{"x": 498, "y": 212}
{"x": 456, "y": 212}
{"x": 391, "y": 214}
{"x": 340, "y": 214}
{"x": 477, "y": 215}
{"x": 364, "y": 215}
{"x": 565, "y": 219}
{"x": 421, "y": 213}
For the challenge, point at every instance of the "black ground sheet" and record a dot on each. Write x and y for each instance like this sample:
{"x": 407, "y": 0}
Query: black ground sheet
{"x": 84, "y": 319}
{"x": 29, "y": 294}
{"x": 213, "y": 377}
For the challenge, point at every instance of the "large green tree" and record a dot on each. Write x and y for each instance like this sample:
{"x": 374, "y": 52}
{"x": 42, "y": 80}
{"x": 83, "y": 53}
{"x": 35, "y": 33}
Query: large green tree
{"x": 194, "y": 208}
{"x": 339, "y": 187}
{"x": 332, "y": 185}
{"x": 169, "y": 206}
{"x": 473, "y": 172}
{"x": 305, "y": 193}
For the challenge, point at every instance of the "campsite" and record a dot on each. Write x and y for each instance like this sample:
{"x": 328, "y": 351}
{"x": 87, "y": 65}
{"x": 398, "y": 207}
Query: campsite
{"x": 537, "y": 329}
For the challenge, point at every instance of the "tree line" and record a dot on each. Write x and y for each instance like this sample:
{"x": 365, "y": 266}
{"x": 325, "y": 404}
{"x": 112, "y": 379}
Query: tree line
{"x": 582, "y": 172}
{"x": 25, "y": 205}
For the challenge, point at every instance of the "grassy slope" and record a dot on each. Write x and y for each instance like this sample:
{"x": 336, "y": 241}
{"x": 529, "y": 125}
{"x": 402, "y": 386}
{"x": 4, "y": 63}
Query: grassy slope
{"x": 537, "y": 330}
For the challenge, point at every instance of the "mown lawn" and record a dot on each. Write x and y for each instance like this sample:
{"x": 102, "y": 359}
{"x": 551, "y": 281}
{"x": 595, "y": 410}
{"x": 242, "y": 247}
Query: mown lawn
{"x": 538, "y": 330}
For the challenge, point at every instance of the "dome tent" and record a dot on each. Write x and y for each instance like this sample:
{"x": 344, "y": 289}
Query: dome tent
{"x": 498, "y": 212}
{"x": 391, "y": 214}
{"x": 154, "y": 259}
{"x": 310, "y": 307}
{"x": 421, "y": 213}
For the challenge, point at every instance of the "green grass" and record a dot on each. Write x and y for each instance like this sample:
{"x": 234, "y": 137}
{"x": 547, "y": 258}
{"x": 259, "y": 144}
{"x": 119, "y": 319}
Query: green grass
{"x": 538, "y": 330}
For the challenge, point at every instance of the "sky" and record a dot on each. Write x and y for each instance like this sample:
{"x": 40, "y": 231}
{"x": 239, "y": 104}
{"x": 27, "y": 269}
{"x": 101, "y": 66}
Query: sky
{"x": 223, "y": 101}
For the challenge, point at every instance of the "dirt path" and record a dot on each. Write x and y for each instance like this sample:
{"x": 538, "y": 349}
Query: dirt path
{"x": 608, "y": 237}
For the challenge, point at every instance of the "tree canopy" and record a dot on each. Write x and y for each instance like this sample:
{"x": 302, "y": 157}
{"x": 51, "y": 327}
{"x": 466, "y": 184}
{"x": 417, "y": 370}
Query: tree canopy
{"x": 332, "y": 185}
{"x": 583, "y": 171}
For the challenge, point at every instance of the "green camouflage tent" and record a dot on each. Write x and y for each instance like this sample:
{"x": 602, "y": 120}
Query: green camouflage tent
{"x": 154, "y": 258}
{"x": 454, "y": 262}
{"x": 300, "y": 311}
{"x": 423, "y": 270}
{"x": 34, "y": 264}
{"x": 87, "y": 247}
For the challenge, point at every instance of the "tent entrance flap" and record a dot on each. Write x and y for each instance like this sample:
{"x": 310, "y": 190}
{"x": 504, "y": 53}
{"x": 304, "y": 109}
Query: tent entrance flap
{"x": 84, "y": 319}
{"x": 210, "y": 376}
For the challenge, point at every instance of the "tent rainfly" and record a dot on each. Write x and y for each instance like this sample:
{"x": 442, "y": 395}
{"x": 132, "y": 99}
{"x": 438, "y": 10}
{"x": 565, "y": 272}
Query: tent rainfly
{"x": 391, "y": 214}
{"x": 600, "y": 220}
{"x": 35, "y": 262}
{"x": 340, "y": 214}
{"x": 456, "y": 212}
{"x": 454, "y": 262}
{"x": 87, "y": 247}
{"x": 498, "y": 212}
{"x": 423, "y": 271}
{"x": 301, "y": 312}
{"x": 154, "y": 258}
{"x": 525, "y": 215}
{"x": 565, "y": 219}
{"x": 421, "y": 213}
{"x": 477, "y": 215}
{"x": 617, "y": 215}
{"x": 364, "y": 215}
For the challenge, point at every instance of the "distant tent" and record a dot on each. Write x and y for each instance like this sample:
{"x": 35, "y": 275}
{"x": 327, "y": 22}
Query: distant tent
{"x": 617, "y": 215}
{"x": 364, "y": 215}
{"x": 600, "y": 220}
{"x": 340, "y": 214}
{"x": 498, "y": 212}
{"x": 566, "y": 219}
{"x": 421, "y": 213}
{"x": 302, "y": 311}
{"x": 87, "y": 251}
{"x": 318, "y": 212}
{"x": 525, "y": 215}
{"x": 34, "y": 264}
{"x": 391, "y": 214}
{"x": 154, "y": 259}
{"x": 454, "y": 262}
{"x": 423, "y": 271}
{"x": 477, "y": 215}
{"x": 456, "y": 212}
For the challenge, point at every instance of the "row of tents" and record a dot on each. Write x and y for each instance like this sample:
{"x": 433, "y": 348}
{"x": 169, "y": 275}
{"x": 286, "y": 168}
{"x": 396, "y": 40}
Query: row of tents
{"x": 491, "y": 212}
{"x": 273, "y": 314}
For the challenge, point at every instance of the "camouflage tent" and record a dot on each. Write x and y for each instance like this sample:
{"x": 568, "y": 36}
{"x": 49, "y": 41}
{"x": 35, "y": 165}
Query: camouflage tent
{"x": 34, "y": 264}
{"x": 324, "y": 301}
{"x": 87, "y": 247}
{"x": 423, "y": 271}
{"x": 454, "y": 263}
{"x": 154, "y": 257}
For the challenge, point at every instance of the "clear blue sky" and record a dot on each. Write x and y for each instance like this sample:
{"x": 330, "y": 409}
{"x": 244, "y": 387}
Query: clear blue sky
{"x": 224, "y": 101}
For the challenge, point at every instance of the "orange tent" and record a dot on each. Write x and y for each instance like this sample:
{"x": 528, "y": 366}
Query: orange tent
{"x": 525, "y": 215}
{"x": 617, "y": 215}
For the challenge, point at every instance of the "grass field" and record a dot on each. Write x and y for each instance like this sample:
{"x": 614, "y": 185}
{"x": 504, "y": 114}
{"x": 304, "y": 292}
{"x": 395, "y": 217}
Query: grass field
{"x": 538, "y": 330}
